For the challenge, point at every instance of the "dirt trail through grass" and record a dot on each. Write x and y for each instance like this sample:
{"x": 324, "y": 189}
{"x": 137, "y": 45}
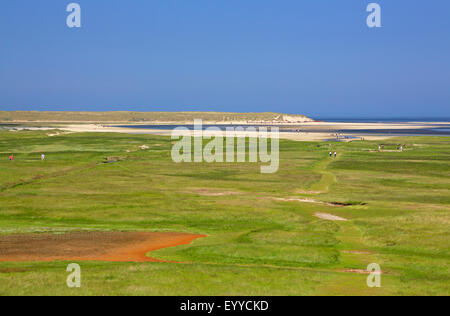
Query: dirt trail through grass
{"x": 328, "y": 179}
{"x": 9, "y": 186}
{"x": 353, "y": 254}
{"x": 352, "y": 277}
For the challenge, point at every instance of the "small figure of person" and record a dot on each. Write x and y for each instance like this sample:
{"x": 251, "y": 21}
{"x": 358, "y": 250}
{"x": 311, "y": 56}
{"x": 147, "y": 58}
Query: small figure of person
{"x": 331, "y": 154}
{"x": 335, "y": 154}
{"x": 11, "y": 157}
{"x": 43, "y": 157}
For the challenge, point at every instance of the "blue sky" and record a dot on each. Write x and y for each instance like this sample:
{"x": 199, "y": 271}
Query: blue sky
{"x": 314, "y": 57}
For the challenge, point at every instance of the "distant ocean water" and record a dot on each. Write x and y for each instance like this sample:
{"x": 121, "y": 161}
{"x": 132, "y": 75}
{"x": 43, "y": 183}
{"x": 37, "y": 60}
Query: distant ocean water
{"x": 433, "y": 130}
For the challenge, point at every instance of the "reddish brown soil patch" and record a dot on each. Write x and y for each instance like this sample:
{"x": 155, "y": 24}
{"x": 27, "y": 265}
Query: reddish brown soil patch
{"x": 92, "y": 246}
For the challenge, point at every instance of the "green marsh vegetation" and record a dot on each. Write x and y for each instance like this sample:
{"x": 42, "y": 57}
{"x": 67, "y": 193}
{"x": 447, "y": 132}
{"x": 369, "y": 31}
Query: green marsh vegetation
{"x": 258, "y": 243}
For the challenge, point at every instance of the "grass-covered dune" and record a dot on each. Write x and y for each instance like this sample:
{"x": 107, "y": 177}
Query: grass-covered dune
{"x": 139, "y": 117}
{"x": 261, "y": 240}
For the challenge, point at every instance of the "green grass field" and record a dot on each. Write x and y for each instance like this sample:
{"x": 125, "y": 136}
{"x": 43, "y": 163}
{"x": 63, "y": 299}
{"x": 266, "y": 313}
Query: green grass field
{"x": 256, "y": 245}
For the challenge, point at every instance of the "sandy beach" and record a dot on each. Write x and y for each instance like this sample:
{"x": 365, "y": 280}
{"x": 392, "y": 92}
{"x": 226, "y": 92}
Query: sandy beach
{"x": 306, "y": 131}
{"x": 309, "y": 131}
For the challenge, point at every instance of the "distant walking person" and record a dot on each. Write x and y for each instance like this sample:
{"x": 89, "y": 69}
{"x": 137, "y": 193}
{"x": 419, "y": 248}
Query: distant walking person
{"x": 335, "y": 154}
{"x": 11, "y": 157}
{"x": 331, "y": 154}
{"x": 42, "y": 157}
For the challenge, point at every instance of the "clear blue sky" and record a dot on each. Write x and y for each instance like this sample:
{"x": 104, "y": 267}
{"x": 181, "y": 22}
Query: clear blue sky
{"x": 315, "y": 57}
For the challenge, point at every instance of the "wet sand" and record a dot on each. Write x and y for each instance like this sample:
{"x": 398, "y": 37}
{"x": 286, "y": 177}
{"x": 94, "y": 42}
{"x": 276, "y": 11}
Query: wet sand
{"x": 308, "y": 131}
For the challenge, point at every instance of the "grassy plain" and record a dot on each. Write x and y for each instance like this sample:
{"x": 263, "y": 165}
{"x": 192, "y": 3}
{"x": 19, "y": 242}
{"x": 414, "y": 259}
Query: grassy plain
{"x": 256, "y": 245}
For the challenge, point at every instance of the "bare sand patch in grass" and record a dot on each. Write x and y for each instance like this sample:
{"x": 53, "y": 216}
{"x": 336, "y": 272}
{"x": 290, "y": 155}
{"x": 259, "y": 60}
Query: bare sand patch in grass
{"x": 207, "y": 192}
{"x": 308, "y": 192}
{"x": 307, "y": 200}
{"x": 330, "y": 217}
{"x": 299, "y": 200}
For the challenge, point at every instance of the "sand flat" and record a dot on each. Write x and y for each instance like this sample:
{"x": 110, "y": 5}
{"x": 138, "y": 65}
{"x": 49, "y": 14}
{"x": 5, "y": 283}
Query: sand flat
{"x": 303, "y": 136}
